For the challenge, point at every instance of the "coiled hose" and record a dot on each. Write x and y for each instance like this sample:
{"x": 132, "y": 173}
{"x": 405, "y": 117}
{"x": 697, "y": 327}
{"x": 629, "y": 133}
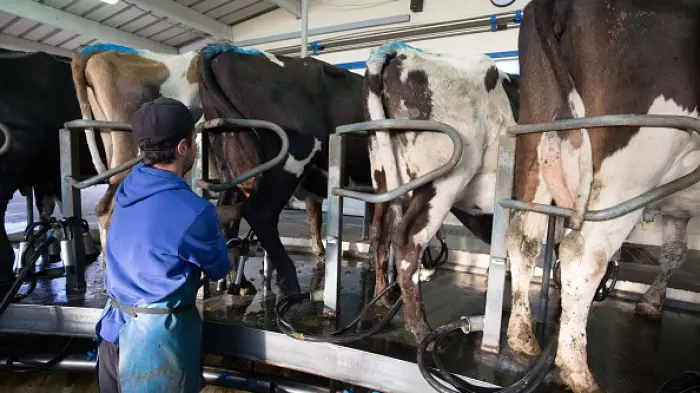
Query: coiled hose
{"x": 527, "y": 384}
{"x": 27, "y": 269}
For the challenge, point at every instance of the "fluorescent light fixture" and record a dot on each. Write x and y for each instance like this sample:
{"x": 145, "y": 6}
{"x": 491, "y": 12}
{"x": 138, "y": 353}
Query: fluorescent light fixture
{"x": 112, "y": 2}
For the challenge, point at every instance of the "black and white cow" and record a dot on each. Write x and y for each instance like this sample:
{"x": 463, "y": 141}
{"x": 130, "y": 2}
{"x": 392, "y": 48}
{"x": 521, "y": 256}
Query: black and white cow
{"x": 36, "y": 98}
{"x": 468, "y": 93}
{"x": 308, "y": 98}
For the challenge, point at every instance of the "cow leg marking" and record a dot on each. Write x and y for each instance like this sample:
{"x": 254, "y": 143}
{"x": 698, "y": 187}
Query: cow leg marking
{"x": 313, "y": 212}
{"x": 524, "y": 242}
{"x": 674, "y": 251}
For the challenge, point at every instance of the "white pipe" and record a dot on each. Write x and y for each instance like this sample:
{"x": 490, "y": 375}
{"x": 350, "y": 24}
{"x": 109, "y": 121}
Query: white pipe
{"x": 304, "y": 28}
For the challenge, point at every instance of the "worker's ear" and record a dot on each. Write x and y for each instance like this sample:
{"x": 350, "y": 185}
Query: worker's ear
{"x": 183, "y": 147}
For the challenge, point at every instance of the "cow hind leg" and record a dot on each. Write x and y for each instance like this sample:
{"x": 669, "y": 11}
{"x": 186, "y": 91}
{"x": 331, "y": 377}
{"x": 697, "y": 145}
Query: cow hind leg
{"x": 103, "y": 210}
{"x": 523, "y": 241}
{"x": 379, "y": 241}
{"x": 313, "y": 213}
{"x": 424, "y": 217}
{"x": 584, "y": 258}
{"x": 674, "y": 251}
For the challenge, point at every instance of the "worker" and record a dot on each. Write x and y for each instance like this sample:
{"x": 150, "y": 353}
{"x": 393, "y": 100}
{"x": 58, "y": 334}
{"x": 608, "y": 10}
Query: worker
{"x": 161, "y": 237}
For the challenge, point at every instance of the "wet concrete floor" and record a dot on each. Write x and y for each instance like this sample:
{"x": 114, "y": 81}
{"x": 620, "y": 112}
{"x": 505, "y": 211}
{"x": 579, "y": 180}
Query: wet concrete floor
{"x": 627, "y": 354}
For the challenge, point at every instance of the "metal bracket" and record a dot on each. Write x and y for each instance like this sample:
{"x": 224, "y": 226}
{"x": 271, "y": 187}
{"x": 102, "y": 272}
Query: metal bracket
{"x": 236, "y": 124}
{"x": 683, "y": 122}
{"x": 402, "y": 126}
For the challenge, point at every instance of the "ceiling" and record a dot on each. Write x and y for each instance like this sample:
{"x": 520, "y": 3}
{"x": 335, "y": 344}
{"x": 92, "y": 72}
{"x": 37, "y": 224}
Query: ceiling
{"x": 159, "y": 25}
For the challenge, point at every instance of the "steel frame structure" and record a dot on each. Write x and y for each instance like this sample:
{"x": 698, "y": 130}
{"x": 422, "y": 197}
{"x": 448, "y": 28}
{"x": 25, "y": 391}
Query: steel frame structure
{"x": 503, "y": 204}
{"x": 72, "y": 183}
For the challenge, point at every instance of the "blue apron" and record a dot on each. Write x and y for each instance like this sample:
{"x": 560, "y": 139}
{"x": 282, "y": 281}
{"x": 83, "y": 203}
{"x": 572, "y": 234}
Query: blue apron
{"x": 162, "y": 352}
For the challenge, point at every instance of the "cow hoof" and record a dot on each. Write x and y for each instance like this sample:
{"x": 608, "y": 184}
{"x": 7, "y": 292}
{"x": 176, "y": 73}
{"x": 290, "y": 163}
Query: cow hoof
{"x": 420, "y": 331}
{"x": 580, "y": 382}
{"x": 648, "y": 310}
{"x": 247, "y": 289}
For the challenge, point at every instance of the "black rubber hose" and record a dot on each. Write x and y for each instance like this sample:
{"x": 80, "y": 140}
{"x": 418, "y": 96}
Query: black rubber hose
{"x": 528, "y": 383}
{"x": 284, "y": 304}
{"x": 41, "y": 366}
{"x": 27, "y": 268}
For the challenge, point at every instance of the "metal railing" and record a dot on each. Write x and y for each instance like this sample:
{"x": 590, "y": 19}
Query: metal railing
{"x": 214, "y": 125}
{"x": 225, "y": 125}
{"x": 687, "y": 123}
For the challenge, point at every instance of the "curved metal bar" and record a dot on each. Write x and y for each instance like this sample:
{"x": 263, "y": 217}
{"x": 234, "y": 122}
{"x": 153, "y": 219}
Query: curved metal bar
{"x": 81, "y": 124}
{"x": 615, "y": 211}
{"x": 682, "y": 122}
{"x": 8, "y": 139}
{"x": 104, "y": 175}
{"x": 405, "y": 126}
{"x": 223, "y": 123}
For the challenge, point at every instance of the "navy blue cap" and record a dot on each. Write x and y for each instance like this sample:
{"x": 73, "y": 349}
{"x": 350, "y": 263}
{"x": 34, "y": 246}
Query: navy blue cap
{"x": 163, "y": 119}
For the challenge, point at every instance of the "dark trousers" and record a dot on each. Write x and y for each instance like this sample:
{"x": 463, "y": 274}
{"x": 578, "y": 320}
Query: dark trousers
{"x": 108, "y": 367}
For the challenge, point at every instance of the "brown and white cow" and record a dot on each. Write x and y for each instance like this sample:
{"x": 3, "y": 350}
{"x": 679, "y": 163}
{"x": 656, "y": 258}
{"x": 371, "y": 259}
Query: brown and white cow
{"x": 588, "y": 58}
{"x": 112, "y": 82}
{"x": 468, "y": 93}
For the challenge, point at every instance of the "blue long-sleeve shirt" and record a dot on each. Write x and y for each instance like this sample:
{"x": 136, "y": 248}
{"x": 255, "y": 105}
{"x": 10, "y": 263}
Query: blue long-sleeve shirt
{"x": 160, "y": 233}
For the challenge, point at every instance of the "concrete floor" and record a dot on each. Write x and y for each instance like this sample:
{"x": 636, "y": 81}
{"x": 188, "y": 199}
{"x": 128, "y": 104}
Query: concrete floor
{"x": 627, "y": 354}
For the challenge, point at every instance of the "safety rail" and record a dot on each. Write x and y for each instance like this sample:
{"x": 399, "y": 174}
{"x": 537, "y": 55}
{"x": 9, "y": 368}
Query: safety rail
{"x": 211, "y": 125}
{"x": 336, "y": 193}
{"x": 8, "y": 139}
{"x": 208, "y": 126}
{"x": 683, "y": 122}
{"x": 81, "y": 125}
{"x": 402, "y": 125}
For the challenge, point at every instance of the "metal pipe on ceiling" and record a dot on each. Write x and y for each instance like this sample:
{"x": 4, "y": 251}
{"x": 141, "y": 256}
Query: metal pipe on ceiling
{"x": 412, "y": 33}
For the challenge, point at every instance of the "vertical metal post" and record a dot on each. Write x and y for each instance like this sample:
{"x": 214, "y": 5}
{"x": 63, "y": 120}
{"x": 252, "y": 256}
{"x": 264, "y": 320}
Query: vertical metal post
{"x": 267, "y": 270}
{"x": 497, "y": 265}
{"x": 71, "y": 207}
{"x": 334, "y": 236}
{"x": 391, "y": 266}
{"x": 366, "y": 220}
{"x": 546, "y": 271}
{"x": 29, "y": 200}
{"x": 304, "y": 28}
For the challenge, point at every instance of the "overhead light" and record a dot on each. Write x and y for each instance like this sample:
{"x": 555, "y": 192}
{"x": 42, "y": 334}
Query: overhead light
{"x": 112, "y": 2}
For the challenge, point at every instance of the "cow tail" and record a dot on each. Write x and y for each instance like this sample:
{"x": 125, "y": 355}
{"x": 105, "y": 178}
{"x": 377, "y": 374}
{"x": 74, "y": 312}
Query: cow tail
{"x": 78, "y": 65}
{"x": 381, "y": 152}
{"x": 217, "y": 95}
{"x": 550, "y": 22}
{"x": 218, "y": 99}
